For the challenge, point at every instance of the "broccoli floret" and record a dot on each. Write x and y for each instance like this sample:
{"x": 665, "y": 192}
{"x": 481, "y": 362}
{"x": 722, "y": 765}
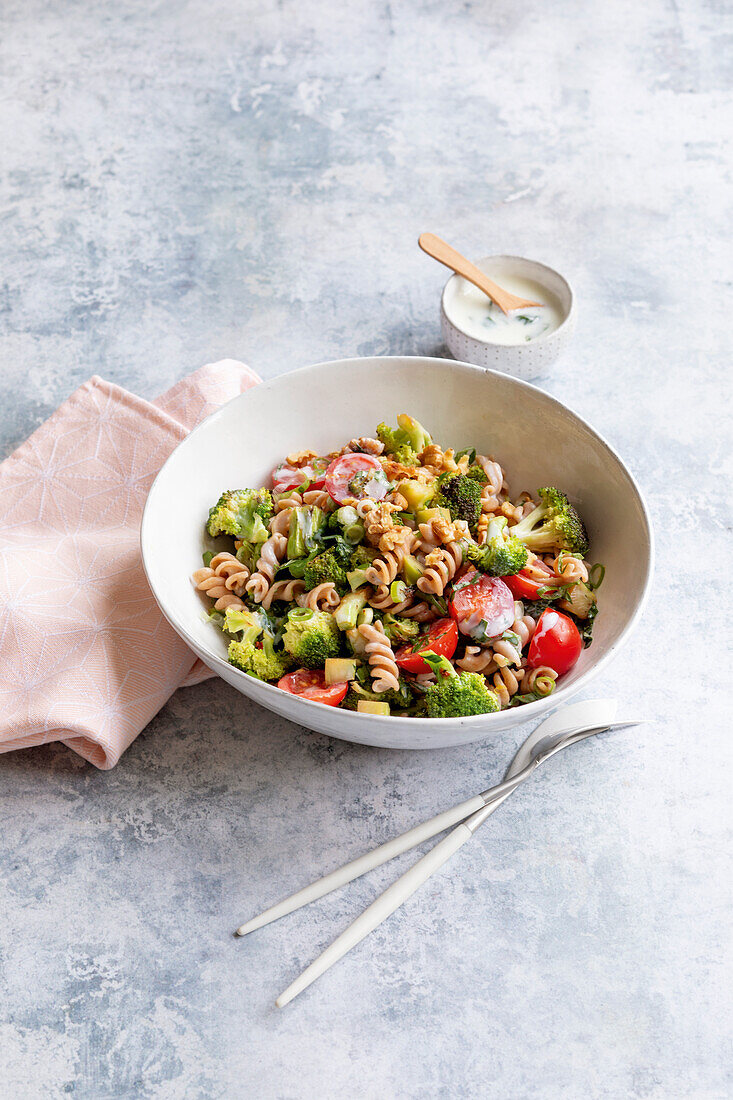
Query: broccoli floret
{"x": 311, "y": 636}
{"x": 501, "y": 555}
{"x": 326, "y": 567}
{"x": 552, "y": 525}
{"x": 457, "y": 694}
{"x": 413, "y": 431}
{"x": 362, "y": 557}
{"x": 396, "y": 447}
{"x": 406, "y": 441}
{"x": 477, "y": 474}
{"x": 400, "y": 630}
{"x": 462, "y": 496}
{"x": 240, "y": 620}
{"x": 242, "y": 513}
{"x": 263, "y": 661}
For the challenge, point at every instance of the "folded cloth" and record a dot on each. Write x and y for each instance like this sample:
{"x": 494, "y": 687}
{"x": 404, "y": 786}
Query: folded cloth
{"x": 85, "y": 655}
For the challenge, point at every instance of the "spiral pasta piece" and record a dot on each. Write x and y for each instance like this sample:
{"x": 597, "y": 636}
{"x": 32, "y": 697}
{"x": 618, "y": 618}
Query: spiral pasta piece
{"x": 494, "y": 484}
{"x": 441, "y": 566}
{"x": 280, "y": 522}
{"x": 288, "y": 591}
{"x": 382, "y": 666}
{"x": 537, "y": 570}
{"x": 364, "y": 444}
{"x": 477, "y": 659}
{"x": 421, "y": 612}
{"x": 323, "y": 597}
{"x": 514, "y": 512}
{"x": 385, "y": 568}
{"x": 506, "y": 681}
{"x": 319, "y": 498}
{"x": 524, "y": 626}
{"x": 506, "y": 653}
{"x": 570, "y": 569}
{"x": 382, "y": 601}
{"x": 272, "y": 553}
{"x": 287, "y": 499}
{"x": 436, "y": 532}
{"x": 532, "y": 676}
{"x": 223, "y": 580}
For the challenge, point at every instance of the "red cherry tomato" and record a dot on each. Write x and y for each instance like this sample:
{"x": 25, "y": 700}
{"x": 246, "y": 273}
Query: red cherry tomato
{"x": 556, "y": 642}
{"x": 342, "y": 472}
{"x": 311, "y": 684}
{"x": 441, "y": 638}
{"x": 285, "y": 477}
{"x": 525, "y": 587}
{"x": 482, "y": 606}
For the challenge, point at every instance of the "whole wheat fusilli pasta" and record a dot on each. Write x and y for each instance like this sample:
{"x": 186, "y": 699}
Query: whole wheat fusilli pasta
{"x": 272, "y": 553}
{"x": 539, "y": 679}
{"x": 287, "y": 499}
{"x": 477, "y": 659}
{"x": 223, "y": 580}
{"x": 280, "y": 522}
{"x": 287, "y": 591}
{"x": 319, "y": 498}
{"x": 570, "y": 568}
{"x": 441, "y": 566}
{"x": 324, "y": 597}
{"x": 382, "y": 601}
{"x": 382, "y": 666}
{"x": 506, "y": 681}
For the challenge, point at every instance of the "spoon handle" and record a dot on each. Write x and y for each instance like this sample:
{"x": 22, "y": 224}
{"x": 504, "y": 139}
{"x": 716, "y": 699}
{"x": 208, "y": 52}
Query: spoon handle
{"x": 381, "y": 908}
{"x": 448, "y": 256}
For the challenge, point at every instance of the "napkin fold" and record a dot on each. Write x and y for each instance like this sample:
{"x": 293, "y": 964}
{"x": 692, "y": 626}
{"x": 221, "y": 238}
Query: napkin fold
{"x": 85, "y": 655}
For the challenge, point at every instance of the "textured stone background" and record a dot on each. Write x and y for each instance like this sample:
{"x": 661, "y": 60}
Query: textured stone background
{"x": 185, "y": 181}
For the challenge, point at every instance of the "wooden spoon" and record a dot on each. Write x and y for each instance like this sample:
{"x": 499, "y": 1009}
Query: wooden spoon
{"x": 444, "y": 254}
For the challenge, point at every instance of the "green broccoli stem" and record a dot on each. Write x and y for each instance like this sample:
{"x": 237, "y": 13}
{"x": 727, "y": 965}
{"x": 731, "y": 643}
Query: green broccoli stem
{"x": 347, "y": 613}
{"x": 497, "y": 528}
{"x": 526, "y": 525}
{"x": 305, "y": 524}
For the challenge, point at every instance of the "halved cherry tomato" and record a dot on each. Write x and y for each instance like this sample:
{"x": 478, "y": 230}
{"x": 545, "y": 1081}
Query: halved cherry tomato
{"x": 441, "y": 638}
{"x": 556, "y": 642}
{"x": 342, "y": 472}
{"x": 292, "y": 477}
{"x": 530, "y": 588}
{"x": 482, "y": 606}
{"x": 311, "y": 684}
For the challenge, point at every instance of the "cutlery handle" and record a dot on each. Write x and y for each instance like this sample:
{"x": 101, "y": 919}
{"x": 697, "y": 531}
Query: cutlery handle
{"x": 447, "y": 255}
{"x": 389, "y": 850}
{"x": 379, "y": 910}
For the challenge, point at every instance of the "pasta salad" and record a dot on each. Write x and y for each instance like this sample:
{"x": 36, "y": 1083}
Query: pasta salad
{"x": 394, "y": 577}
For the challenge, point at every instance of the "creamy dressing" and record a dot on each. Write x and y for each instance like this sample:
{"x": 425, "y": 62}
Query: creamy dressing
{"x": 478, "y": 316}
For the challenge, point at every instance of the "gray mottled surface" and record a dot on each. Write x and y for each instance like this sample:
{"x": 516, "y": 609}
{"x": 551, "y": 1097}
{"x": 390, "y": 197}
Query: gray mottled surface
{"x": 185, "y": 181}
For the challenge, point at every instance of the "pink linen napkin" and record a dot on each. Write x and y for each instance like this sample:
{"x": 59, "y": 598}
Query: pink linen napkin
{"x": 85, "y": 655}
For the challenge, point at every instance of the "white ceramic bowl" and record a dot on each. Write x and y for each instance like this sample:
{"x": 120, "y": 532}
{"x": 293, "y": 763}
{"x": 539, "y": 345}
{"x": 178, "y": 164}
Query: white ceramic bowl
{"x": 521, "y": 360}
{"x": 537, "y": 440}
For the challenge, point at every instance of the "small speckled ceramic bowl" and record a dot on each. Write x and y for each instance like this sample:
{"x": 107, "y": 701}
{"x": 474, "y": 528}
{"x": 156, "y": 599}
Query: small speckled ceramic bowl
{"x": 521, "y": 360}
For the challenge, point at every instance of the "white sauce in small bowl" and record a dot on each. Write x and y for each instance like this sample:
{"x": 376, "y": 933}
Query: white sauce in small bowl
{"x": 476, "y": 315}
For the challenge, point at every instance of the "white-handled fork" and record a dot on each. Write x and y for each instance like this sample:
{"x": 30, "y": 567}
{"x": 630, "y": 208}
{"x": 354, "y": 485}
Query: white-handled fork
{"x": 566, "y": 727}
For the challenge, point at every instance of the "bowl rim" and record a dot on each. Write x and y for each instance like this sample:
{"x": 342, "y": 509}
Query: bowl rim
{"x": 545, "y": 337}
{"x": 528, "y": 711}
